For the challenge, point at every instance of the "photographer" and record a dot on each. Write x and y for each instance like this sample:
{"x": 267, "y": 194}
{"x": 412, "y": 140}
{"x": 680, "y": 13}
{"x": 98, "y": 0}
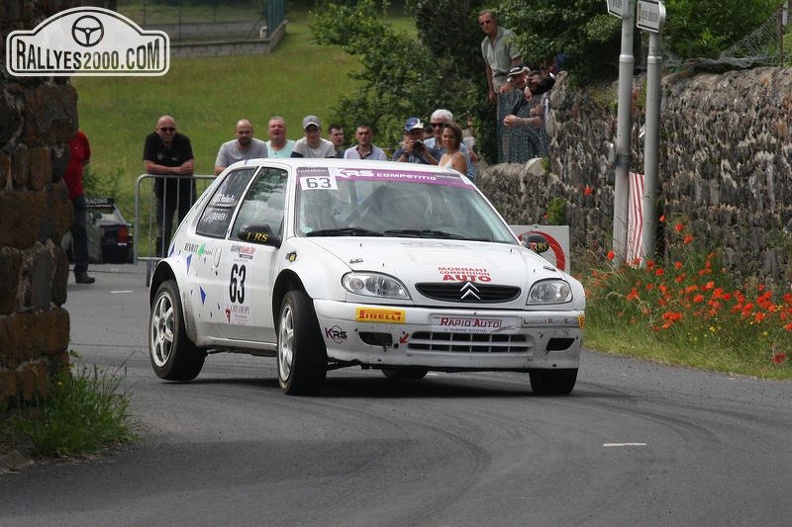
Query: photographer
{"x": 414, "y": 150}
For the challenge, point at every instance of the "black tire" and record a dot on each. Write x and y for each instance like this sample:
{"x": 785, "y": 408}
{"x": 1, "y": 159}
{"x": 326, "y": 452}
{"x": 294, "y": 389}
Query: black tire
{"x": 405, "y": 374}
{"x": 302, "y": 356}
{"x": 553, "y": 382}
{"x": 173, "y": 355}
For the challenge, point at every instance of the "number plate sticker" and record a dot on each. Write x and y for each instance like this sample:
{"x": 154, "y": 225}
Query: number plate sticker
{"x": 318, "y": 183}
{"x": 456, "y": 324}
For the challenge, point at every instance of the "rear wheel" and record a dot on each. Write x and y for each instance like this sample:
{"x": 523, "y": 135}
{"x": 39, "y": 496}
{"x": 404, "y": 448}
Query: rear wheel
{"x": 302, "y": 356}
{"x": 173, "y": 355}
{"x": 553, "y": 382}
{"x": 405, "y": 374}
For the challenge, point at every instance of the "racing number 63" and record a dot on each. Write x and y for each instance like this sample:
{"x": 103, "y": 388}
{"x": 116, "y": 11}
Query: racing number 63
{"x": 236, "y": 289}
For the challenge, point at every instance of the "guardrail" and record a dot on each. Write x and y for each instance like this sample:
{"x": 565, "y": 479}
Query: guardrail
{"x": 146, "y": 226}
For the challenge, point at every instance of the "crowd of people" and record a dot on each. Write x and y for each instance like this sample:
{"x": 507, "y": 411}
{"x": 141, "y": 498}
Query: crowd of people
{"x": 519, "y": 93}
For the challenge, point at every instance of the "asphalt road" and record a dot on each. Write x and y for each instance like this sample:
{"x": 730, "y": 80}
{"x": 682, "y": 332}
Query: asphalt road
{"x": 636, "y": 444}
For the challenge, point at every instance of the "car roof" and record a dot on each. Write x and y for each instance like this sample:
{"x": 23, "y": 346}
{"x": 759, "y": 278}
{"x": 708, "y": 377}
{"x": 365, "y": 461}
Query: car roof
{"x": 296, "y": 162}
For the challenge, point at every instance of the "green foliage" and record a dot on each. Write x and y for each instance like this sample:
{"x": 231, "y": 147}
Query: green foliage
{"x": 403, "y": 74}
{"x": 556, "y": 211}
{"x": 582, "y": 30}
{"x": 702, "y": 29}
{"x": 591, "y": 38}
{"x": 84, "y": 412}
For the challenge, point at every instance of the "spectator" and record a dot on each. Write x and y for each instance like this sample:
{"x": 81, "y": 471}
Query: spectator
{"x": 245, "y": 146}
{"x": 169, "y": 153}
{"x": 500, "y": 53}
{"x": 413, "y": 149}
{"x": 438, "y": 120}
{"x": 278, "y": 145}
{"x": 336, "y": 136}
{"x": 364, "y": 148}
{"x": 313, "y": 144}
{"x": 79, "y": 156}
{"x": 453, "y": 156}
{"x": 525, "y": 137}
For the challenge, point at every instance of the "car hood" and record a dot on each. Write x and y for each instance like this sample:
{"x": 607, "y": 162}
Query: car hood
{"x": 413, "y": 260}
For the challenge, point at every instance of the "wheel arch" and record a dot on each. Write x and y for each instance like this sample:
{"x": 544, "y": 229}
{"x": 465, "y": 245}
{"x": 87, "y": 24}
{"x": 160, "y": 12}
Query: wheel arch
{"x": 286, "y": 281}
{"x": 162, "y": 273}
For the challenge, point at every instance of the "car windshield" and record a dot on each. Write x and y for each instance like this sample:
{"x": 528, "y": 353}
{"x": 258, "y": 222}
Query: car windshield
{"x": 394, "y": 203}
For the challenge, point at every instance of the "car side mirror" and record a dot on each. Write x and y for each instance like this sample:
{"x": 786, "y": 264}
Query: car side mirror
{"x": 536, "y": 242}
{"x": 259, "y": 234}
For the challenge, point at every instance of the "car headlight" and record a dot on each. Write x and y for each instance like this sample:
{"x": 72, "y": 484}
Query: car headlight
{"x": 375, "y": 285}
{"x": 549, "y": 292}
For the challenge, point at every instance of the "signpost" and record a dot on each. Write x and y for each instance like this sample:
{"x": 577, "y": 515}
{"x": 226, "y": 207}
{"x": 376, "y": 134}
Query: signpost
{"x": 651, "y": 17}
{"x": 623, "y": 9}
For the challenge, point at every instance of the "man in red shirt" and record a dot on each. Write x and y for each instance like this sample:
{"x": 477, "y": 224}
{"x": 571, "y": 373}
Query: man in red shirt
{"x": 79, "y": 155}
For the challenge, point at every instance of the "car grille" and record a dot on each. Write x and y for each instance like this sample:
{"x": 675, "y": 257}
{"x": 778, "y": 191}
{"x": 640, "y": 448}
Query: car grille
{"x": 468, "y": 292}
{"x": 468, "y": 342}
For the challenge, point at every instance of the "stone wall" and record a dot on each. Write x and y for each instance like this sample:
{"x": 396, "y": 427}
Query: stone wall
{"x": 724, "y": 166}
{"x": 38, "y": 116}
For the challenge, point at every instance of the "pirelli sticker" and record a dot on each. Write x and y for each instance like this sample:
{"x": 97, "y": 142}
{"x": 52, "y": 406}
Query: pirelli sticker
{"x": 380, "y": 315}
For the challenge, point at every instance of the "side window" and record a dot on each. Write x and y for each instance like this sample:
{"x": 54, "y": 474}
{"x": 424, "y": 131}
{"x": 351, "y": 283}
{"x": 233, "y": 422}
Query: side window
{"x": 265, "y": 202}
{"x": 217, "y": 215}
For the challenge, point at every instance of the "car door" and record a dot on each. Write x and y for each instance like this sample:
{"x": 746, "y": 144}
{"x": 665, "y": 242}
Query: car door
{"x": 248, "y": 266}
{"x": 206, "y": 248}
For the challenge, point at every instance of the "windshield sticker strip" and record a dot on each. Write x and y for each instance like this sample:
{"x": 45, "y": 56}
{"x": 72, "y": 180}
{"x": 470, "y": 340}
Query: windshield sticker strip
{"x": 407, "y": 176}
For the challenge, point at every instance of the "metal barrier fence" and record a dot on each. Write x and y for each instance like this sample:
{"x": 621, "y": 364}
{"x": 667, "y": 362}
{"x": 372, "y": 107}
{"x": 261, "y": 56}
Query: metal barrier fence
{"x": 147, "y": 225}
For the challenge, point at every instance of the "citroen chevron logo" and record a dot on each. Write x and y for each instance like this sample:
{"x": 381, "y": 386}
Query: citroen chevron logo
{"x": 469, "y": 290}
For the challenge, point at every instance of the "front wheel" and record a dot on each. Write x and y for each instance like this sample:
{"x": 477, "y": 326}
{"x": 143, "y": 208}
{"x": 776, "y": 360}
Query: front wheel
{"x": 553, "y": 382}
{"x": 302, "y": 356}
{"x": 173, "y": 355}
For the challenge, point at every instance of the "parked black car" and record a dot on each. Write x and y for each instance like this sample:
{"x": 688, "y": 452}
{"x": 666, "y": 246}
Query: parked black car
{"x": 109, "y": 234}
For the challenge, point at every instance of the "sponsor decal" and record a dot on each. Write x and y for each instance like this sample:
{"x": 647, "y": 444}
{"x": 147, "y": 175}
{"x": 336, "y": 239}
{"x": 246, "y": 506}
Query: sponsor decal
{"x": 336, "y": 334}
{"x": 465, "y": 274}
{"x": 472, "y": 324}
{"x": 238, "y": 315}
{"x": 244, "y": 251}
{"x": 87, "y": 41}
{"x": 553, "y": 321}
{"x": 374, "y": 314}
{"x": 404, "y": 338}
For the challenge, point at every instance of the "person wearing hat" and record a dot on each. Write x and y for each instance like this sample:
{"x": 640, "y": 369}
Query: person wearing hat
{"x": 313, "y": 144}
{"x": 414, "y": 150}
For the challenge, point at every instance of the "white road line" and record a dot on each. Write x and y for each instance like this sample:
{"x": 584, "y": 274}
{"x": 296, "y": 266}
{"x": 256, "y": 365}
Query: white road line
{"x": 605, "y": 445}
{"x": 121, "y": 292}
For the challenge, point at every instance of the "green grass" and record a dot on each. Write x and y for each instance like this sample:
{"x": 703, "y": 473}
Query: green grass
{"x": 86, "y": 410}
{"x": 207, "y": 97}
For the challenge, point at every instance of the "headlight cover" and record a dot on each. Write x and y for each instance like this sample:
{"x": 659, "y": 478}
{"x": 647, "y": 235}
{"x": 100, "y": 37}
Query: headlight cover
{"x": 549, "y": 292}
{"x": 374, "y": 285}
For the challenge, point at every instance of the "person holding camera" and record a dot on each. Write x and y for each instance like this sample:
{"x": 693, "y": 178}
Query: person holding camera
{"x": 414, "y": 150}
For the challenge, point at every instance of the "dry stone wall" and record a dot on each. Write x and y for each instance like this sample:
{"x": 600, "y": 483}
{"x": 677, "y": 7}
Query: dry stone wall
{"x": 724, "y": 166}
{"x": 38, "y": 116}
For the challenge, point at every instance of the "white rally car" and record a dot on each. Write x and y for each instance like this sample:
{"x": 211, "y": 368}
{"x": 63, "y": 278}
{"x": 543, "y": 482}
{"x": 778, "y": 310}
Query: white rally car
{"x": 328, "y": 263}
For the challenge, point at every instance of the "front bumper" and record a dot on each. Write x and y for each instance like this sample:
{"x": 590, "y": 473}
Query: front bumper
{"x": 452, "y": 339}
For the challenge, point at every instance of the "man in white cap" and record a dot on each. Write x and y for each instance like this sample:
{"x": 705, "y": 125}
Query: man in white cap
{"x": 414, "y": 150}
{"x": 313, "y": 144}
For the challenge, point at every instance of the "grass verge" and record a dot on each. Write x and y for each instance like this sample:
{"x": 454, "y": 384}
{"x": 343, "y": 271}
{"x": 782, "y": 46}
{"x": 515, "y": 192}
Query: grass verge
{"x": 86, "y": 411}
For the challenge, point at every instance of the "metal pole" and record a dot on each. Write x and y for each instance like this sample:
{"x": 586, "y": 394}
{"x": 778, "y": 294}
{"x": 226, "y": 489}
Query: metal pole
{"x": 624, "y": 126}
{"x": 651, "y": 146}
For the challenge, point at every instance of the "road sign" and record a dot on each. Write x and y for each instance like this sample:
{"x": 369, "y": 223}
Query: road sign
{"x": 618, "y": 7}
{"x": 650, "y": 15}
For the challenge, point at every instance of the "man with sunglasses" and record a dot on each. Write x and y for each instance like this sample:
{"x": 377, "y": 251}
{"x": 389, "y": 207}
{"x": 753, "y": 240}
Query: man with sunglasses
{"x": 168, "y": 154}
